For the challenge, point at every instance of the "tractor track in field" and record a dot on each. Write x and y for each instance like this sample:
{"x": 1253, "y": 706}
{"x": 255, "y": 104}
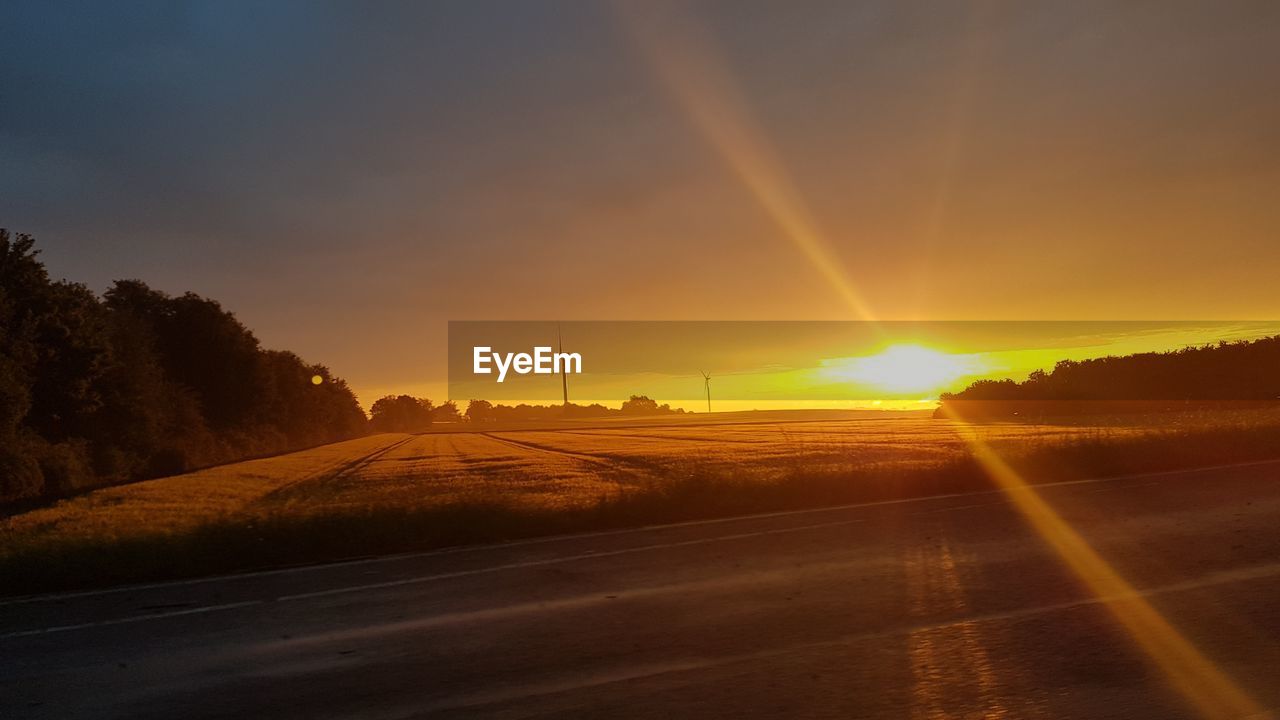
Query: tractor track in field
{"x": 650, "y": 436}
{"x": 525, "y": 445}
{"x": 342, "y": 470}
{"x": 612, "y": 462}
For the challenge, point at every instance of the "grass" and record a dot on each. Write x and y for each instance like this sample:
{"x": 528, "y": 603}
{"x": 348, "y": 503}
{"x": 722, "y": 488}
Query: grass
{"x": 392, "y": 493}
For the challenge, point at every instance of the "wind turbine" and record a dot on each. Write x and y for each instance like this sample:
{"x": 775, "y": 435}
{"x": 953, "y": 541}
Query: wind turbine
{"x": 706, "y": 384}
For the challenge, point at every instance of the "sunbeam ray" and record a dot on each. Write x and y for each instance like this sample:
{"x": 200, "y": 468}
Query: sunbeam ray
{"x": 701, "y": 86}
{"x": 1189, "y": 671}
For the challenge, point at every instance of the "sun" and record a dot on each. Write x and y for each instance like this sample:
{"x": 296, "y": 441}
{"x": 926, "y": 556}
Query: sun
{"x": 905, "y": 369}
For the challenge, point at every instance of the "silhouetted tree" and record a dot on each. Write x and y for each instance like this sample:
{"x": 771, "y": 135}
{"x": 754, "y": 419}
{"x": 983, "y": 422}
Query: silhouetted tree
{"x": 202, "y": 347}
{"x": 447, "y": 412}
{"x": 479, "y": 411}
{"x": 22, "y": 278}
{"x": 400, "y": 413}
{"x": 640, "y": 405}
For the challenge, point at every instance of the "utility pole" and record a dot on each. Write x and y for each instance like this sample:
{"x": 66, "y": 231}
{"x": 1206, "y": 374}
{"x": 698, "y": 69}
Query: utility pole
{"x": 564, "y": 375}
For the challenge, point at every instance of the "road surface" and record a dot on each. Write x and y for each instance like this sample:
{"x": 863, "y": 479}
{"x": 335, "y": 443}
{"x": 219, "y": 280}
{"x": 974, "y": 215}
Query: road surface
{"x": 947, "y": 607}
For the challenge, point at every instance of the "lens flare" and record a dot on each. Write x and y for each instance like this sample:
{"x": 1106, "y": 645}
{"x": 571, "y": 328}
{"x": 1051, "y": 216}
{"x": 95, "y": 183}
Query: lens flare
{"x": 1193, "y": 674}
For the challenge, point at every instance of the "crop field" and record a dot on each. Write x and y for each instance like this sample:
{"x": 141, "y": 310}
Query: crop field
{"x": 564, "y": 468}
{"x": 425, "y": 489}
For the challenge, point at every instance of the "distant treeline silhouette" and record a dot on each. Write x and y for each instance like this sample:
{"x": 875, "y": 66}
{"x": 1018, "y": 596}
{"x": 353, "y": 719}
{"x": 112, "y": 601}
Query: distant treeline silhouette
{"x": 485, "y": 411}
{"x": 1246, "y": 370}
{"x": 405, "y": 413}
{"x": 139, "y": 384}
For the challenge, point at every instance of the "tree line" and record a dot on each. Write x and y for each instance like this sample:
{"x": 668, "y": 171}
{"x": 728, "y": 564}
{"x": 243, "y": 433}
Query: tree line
{"x": 405, "y": 413}
{"x": 485, "y": 411}
{"x": 1226, "y": 371}
{"x": 137, "y": 383}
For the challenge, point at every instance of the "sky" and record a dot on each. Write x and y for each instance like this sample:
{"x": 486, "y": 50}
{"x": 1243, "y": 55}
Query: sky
{"x": 349, "y": 177}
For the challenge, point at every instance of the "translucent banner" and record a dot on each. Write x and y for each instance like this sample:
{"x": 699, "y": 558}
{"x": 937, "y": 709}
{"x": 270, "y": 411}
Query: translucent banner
{"x": 701, "y": 365}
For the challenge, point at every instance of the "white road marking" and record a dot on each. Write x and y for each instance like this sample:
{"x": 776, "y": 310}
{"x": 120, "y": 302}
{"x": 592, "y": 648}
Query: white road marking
{"x": 740, "y": 580}
{"x": 131, "y": 619}
{"x": 566, "y": 558}
{"x": 424, "y": 579}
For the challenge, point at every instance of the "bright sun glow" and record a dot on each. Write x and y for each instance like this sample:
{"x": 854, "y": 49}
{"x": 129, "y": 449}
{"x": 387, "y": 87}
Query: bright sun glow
{"x": 905, "y": 369}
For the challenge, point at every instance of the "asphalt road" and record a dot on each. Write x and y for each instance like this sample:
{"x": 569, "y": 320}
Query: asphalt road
{"x": 947, "y": 607}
